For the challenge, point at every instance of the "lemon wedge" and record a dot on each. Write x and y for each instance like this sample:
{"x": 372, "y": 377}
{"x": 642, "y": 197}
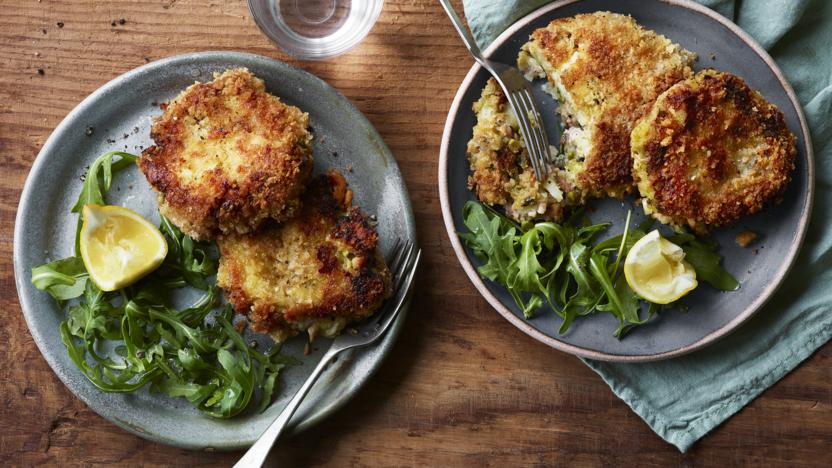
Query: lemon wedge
{"x": 118, "y": 246}
{"x": 657, "y": 271}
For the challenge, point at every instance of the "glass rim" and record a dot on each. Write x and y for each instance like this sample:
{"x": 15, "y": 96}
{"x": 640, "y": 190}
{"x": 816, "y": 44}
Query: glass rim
{"x": 298, "y": 46}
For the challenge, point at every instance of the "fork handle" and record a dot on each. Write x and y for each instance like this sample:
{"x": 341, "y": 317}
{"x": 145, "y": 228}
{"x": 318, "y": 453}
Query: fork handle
{"x": 466, "y": 36}
{"x": 256, "y": 455}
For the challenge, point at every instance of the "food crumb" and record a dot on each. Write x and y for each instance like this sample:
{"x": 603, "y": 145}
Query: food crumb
{"x": 756, "y": 251}
{"x": 240, "y": 326}
{"x": 60, "y": 24}
{"x": 745, "y": 238}
{"x": 41, "y": 71}
{"x": 122, "y": 21}
{"x": 89, "y": 131}
{"x": 349, "y": 168}
{"x": 334, "y": 154}
{"x": 713, "y": 56}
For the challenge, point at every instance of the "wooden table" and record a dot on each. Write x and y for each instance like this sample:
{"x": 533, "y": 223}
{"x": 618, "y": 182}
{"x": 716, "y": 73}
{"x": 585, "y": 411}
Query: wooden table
{"x": 462, "y": 386}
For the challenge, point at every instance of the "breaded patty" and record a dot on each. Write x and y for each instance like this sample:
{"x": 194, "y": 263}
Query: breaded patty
{"x": 315, "y": 273}
{"x": 605, "y": 71}
{"x": 228, "y": 156}
{"x": 710, "y": 151}
{"x": 501, "y": 173}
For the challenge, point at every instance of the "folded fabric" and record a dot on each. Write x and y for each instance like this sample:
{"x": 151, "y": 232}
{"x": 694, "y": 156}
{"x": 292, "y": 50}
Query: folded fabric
{"x": 682, "y": 399}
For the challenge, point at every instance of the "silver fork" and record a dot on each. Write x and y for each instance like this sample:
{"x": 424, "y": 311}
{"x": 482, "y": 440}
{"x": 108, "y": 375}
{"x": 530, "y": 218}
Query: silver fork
{"x": 404, "y": 260}
{"x": 519, "y": 96}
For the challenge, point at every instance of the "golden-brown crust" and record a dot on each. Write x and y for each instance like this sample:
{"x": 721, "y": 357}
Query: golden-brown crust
{"x": 613, "y": 70}
{"x": 713, "y": 150}
{"x": 228, "y": 155}
{"x": 321, "y": 265}
{"x": 499, "y": 162}
{"x": 493, "y": 161}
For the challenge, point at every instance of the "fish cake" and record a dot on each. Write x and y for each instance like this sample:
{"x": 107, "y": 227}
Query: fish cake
{"x": 228, "y": 156}
{"x": 605, "y": 71}
{"x": 711, "y": 151}
{"x": 317, "y": 272}
{"x": 499, "y": 161}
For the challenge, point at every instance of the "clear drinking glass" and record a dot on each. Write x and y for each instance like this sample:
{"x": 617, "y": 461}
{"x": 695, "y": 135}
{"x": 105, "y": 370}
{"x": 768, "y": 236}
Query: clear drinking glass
{"x": 315, "y": 29}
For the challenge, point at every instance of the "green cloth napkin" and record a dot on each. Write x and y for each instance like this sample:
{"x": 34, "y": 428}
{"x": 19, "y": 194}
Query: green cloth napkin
{"x": 682, "y": 399}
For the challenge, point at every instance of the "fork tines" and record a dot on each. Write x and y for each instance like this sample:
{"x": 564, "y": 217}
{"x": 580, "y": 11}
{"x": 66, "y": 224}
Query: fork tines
{"x": 532, "y": 130}
{"x": 405, "y": 258}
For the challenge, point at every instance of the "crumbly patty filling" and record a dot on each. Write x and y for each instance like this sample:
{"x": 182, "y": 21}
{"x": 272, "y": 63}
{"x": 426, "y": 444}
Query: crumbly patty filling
{"x": 501, "y": 173}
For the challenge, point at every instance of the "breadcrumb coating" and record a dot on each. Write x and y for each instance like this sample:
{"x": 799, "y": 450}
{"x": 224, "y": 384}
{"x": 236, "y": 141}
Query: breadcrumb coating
{"x": 228, "y": 156}
{"x": 317, "y": 272}
{"x": 711, "y": 151}
{"x": 605, "y": 70}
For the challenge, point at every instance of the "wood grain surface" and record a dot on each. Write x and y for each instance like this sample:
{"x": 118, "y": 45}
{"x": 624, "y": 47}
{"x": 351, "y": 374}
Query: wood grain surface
{"x": 462, "y": 387}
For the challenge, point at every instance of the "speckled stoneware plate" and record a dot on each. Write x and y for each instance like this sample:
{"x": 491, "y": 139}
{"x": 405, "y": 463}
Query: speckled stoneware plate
{"x": 712, "y": 314}
{"x": 120, "y": 113}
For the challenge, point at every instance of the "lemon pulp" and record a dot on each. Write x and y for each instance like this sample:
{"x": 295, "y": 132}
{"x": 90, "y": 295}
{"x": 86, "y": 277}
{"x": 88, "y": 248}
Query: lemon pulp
{"x": 118, "y": 246}
{"x": 657, "y": 271}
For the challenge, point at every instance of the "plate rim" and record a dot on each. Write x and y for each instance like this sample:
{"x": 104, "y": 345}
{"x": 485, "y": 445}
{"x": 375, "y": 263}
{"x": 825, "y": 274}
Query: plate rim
{"x": 580, "y": 351}
{"x": 21, "y": 277}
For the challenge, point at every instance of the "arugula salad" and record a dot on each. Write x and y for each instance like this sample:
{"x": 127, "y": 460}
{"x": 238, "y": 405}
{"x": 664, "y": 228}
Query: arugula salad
{"x": 134, "y": 337}
{"x": 562, "y": 266}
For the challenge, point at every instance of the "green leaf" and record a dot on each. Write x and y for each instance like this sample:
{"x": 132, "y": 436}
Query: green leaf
{"x": 267, "y": 391}
{"x": 586, "y": 233}
{"x": 578, "y": 255}
{"x": 492, "y": 240}
{"x": 198, "y": 338}
{"x": 187, "y": 261}
{"x": 95, "y": 374}
{"x": 701, "y": 254}
{"x": 534, "y": 303}
{"x": 598, "y": 267}
{"x": 63, "y": 279}
{"x": 622, "y": 247}
{"x": 89, "y": 318}
{"x": 96, "y": 183}
{"x": 555, "y": 235}
{"x": 528, "y": 269}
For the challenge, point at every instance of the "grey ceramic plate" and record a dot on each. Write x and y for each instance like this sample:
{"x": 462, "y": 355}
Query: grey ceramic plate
{"x": 719, "y": 44}
{"x": 120, "y": 114}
